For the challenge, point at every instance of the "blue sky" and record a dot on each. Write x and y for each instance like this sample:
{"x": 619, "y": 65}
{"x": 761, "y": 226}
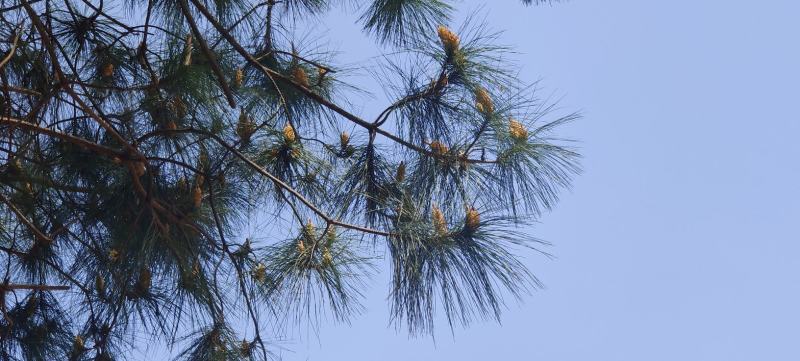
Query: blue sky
{"x": 680, "y": 240}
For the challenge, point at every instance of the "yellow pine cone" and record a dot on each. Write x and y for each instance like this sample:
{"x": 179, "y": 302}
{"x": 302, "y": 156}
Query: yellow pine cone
{"x": 321, "y": 72}
{"x": 299, "y": 75}
{"x": 439, "y": 222}
{"x": 327, "y": 258}
{"x": 483, "y": 101}
{"x": 309, "y": 230}
{"x": 289, "y": 134}
{"x": 238, "y": 78}
{"x": 79, "y": 343}
{"x": 107, "y": 71}
{"x": 517, "y": 130}
{"x": 473, "y": 219}
{"x": 197, "y": 196}
{"x": 449, "y": 39}
{"x": 331, "y": 236}
{"x": 260, "y": 272}
{"x": 439, "y": 148}
{"x": 400, "y": 175}
{"x": 113, "y": 255}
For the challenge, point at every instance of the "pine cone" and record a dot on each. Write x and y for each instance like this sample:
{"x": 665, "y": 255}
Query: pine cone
{"x": 439, "y": 222}
{"x": 107, "y": 70}
{"x": 289, "y": 134}
{"x": 197, "y": 196}
{"x": 238, "y": 78}
{"x": 299, "y": 75}
{"x": 113, "y": 255}
{"x": 400, "y": 175}
{"x": 473, "y": 219}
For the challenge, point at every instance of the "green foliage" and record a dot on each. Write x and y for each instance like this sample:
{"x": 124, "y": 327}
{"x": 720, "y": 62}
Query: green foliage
{"x": 196, "y": 174}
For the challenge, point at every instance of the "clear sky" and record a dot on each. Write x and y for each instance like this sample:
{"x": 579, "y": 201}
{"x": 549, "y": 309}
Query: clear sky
{"x": 680, "y": 241}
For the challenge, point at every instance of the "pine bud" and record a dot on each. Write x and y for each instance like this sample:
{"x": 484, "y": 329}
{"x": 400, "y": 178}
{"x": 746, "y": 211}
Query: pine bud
{"x": 299, "y": 75}
{"x": 238, "y": 78}
{"x": 171, "y": 125}
{"x": 473, "y": 219}
{"x": 400, "y": 175}
{"x": 483, "y": 101}
{"x": 289, "y": 134}
{"x": 439, "y": 222}
{"x": 145, "y": 279}
{"x": 321, "y": 72}
{"x": 245, "y": 348}
{"x": 108, "y": 70}
{"x": 439, "y": 148}
{"x": 301, "y": 246}
{"x": 113, "y": 255}
{"x": 450, "y": 40}
{"x": 100, "y": 284}
{"x": 187, "y": 50}
{"x": 245, "y": 127}
{"x": 517, "y": 131}
{"x": 344, "y": 139}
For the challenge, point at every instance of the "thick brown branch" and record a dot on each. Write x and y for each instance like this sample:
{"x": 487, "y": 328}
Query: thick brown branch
{"x": 13, "y": 286}
{"x": 211, "y": 57}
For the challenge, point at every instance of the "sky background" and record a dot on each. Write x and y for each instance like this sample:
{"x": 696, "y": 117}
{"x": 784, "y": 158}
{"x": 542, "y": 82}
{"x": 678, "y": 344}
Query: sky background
{"x": 679, "y": 241}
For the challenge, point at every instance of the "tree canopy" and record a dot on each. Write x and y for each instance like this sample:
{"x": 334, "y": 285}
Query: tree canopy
{"x": 143, "y": 140}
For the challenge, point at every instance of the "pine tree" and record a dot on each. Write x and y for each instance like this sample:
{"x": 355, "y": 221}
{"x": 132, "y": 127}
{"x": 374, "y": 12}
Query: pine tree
{"x": 138, "y": 145}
